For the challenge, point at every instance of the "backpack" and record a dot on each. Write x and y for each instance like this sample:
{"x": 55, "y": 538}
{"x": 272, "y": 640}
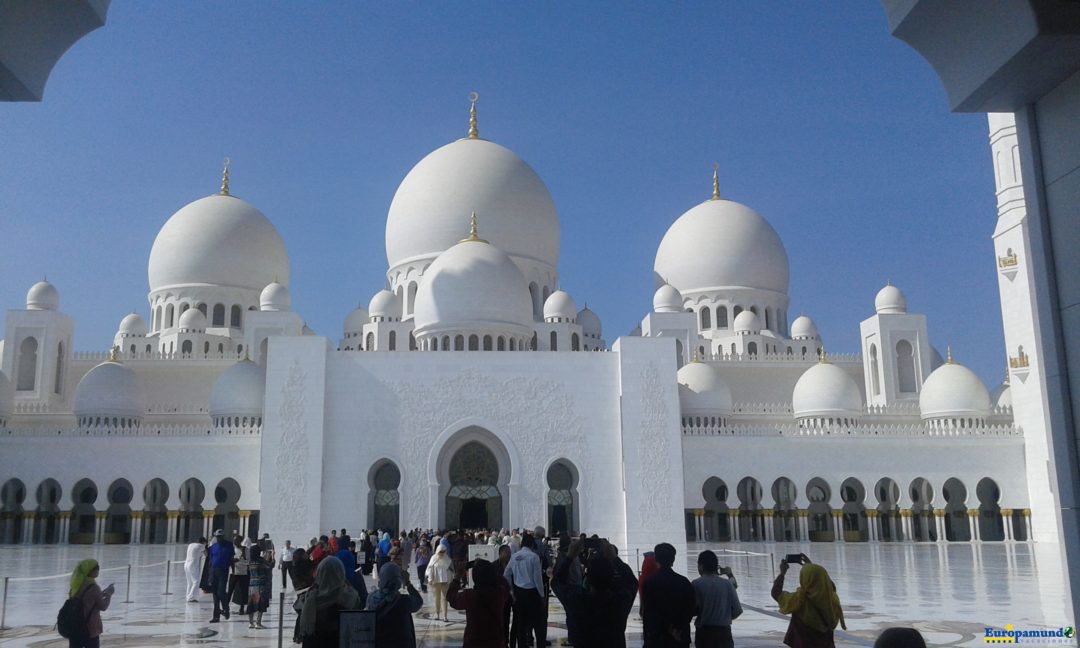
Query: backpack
{"x": 70, "y": 621}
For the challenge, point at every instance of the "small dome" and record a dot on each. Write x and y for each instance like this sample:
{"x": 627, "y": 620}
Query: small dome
{"x": 219, "y": 240}
{"x": 132, "y": 325}
{"x": 42, "y": 296}
{"x": 109, "y": 389}
{"x": 275, "y": 297}
{"x": 7, "y": 395}
{"x": 1002, "y": 395}
{"x": 826, "y": 391}
{"x": 590, "y": 322}
{"x": 722, "y": 244}
{"x": 803, "y": 328}
{"x": 560, "y": 305}
{"x": 667, "y": 299}
{"x": 239, "y": 391}
{"x": 473, "y": 285}
{"x": 354, "y": 321}
{"x": 747, "y": 322}
{"x": 890, "y": 300}
{"x": 953, "y": 391}
{"x": 192, "y": 320}
{"x": 385, "y": 304}
{"x": 702, "y": 390}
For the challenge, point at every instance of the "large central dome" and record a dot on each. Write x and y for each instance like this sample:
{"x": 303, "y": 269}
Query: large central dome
{"x": 219, "y": 240}
{"x": 466, "y": 176}
{"x": 721, "y": 244}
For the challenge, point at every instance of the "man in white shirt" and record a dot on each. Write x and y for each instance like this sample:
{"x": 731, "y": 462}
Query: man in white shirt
{"x": 193, "y": 568}
{"x": 527, "y": 587}
{"x": 286, "y": 562}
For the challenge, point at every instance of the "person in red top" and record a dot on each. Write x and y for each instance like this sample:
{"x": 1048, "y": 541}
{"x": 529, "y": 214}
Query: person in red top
{"x": 320, "y": 551}
{"x": 332, "y": 543}
{"x": 648, "y": 568}
{"x": 483, "y": 606}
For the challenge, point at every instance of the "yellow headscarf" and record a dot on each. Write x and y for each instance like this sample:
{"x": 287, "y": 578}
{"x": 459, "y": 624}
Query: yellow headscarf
{"x": 81, "y": 575}
{"x": 815, "y": 602}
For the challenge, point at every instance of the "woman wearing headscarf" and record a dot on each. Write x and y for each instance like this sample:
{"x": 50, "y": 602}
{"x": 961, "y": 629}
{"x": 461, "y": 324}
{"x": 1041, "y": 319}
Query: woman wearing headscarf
{"x": 440, "y": 571}
{"x": 814, "y": 607}
{"x": 301, "y": 571}
{"x": 317, "y": 625}
{"x": 483, "y": 606}
{"x": 649, "y": 566}
{"x": 383, "y": 550}
{"x": 393, "y": 618}
{"x": 260, "y": 581}
{"x": 348, "y": 562}
{"x": 94, "y": 600}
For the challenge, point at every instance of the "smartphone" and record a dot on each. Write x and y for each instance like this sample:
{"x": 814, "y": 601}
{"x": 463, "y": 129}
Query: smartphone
{"x": 793, "y": 559}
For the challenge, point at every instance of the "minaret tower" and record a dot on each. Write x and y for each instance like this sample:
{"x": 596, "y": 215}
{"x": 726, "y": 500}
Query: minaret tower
{"x": 1027, "y": 382}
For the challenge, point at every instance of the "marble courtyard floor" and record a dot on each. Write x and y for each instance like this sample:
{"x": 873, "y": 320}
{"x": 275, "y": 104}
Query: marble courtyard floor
{"x": 950, "y": 592}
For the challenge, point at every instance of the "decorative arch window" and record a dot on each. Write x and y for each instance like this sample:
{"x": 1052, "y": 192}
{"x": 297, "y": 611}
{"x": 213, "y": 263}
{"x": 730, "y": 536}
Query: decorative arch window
{"x": 721, "y": 317}
{"x": 219, "y": 315}
{"x": 446, "y": 343}
{"x": 513, "y": 344}
{"x": 235, "y": 316}
{"x": 411, "y": 297}
{"x": 474, "y": 342}
{"x": 28, "y": 359}
{"x": 752, "y": 348}
{"x": 459, "y": 343}
{"x": 487, "y": 343}
{"x": 554, "y": 341}
{"x": 575, "y": 342}
{"x": 185, "y": 348}
{"x": 206, "y": 348}
{"x": 905, "y": 367}
{"x": 169, "y": 316}
{"x": 875, "y": 380}
{"x": 202, "y": 309}
{"x": 392, "y": 342}
{"x": 58, "y": 382}
{"x": 706, "y": 318}
{"x": 500, "y": 344}
{"x": 735, "y": 312}
{"x": 369, "y": 342}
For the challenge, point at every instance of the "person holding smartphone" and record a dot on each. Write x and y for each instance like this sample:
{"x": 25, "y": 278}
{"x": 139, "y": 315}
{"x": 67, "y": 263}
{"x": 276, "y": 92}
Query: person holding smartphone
{"x": 94, "y": 600}
{"x": 814, "y": 607}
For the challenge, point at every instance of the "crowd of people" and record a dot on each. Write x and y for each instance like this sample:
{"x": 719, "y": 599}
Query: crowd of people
{"x": 505, "y": 600}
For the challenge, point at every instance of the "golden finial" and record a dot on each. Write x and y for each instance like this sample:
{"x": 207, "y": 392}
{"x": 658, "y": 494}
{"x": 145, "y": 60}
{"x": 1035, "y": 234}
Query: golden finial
{"x": 948, "y": 355}
{"x": 715, "y": 181}
{"x": 474, "y": 233}
{"x": 225, "y": 178}
{"x": 473, "y": 132}
{"x": 114, "y": 354}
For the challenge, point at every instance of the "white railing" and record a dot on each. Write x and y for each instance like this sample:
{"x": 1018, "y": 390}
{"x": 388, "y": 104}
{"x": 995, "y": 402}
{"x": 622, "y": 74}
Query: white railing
{"x": 141, "y": 431}
{"x": 858, "y": 430}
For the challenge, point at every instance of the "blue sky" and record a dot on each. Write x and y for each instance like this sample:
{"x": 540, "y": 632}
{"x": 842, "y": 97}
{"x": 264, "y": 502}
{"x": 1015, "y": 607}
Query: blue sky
{"x": 822, "y": 122}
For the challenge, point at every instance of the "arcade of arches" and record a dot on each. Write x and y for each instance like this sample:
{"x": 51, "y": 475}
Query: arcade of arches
{"x": 847, "y": 516}
{"x": 113, "y": 515}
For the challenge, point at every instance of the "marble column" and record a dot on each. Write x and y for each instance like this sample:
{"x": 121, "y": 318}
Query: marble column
{"x": 939, "y": 524}
{"x": 244, "y": 516}
{"x": 65, "y": 527}
{"x": 208, "y": 523}
{"x": 804, "y": 526}
{"x": 872, "y": 525}
{"x": 770, "y": 530}
{"x": 907, "y": 526}
{"x": 170, "y": 532}
{"x": 699, "y": 524}
{"x": 838, "y": 525}
{"x": 136, "y": 527}
{"x": 1025, "y": 520}
{"x": 27, "y": 528}
{"x": 733, "y": 519}
{"x": 1007, "y": 522}
{"x": 99, "y": 527}
{"x": 973, "y": 518}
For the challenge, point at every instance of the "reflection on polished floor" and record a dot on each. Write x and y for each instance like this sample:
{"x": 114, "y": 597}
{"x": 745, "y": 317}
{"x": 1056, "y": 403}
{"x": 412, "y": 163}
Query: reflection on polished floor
{"x": 950, "y": 592}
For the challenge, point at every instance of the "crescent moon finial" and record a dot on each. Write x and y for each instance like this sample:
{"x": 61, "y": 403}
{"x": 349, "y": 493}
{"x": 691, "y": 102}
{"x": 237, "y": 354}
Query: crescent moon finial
{"x": 715, "y": 181}
{"x": 225, "y": 178}
{"x": 473, "y": 98}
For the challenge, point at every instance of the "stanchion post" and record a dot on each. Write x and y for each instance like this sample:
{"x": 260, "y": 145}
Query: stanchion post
{"x": 637, "y": 559}
{"x": 127, "y": 592}
{"x": 748, "y": 564}
{"x": 281, "y": 618}
{"x": 772, "y": 562}
{"x": 3, "y": 605}
{"x": 168, "y": 564}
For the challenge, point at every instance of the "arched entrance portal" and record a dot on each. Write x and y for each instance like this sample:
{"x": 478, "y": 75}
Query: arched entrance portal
{"x": 474, "y": 500}
{"x": 562, "y": 506}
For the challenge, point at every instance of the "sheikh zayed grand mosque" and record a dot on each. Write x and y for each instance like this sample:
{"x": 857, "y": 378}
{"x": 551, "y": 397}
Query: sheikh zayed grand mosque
{"x": 473, "y": 392}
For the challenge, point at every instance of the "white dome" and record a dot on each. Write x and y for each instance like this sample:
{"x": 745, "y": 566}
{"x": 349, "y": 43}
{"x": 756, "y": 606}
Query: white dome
{"x": 219, "y": 241}
{"x": 109, "y": 389}
{"x": 702, "y": 390}
{"x": 890, "y": 300}
{"x": 803, "y": 327}
{"x": 473, "y": 285}
{"x": 385, "y": 304}
{"x": 192, "y": 320}
{"x": 239, "y": 391}
{"x": 472, "y": 175}
{"x": 667, "y": 299}
{"x": 132, "y": 325}
{"x": 1002, "y": 395}
{"x": 747, "y": 322}
{"x": 7, "y": 395}
{"x": 561, "y": 305}
{"x": 826, "y": 391}
{"x": 42, "y": 296}
{"x": 275, "y": 297}
{"x": 722, "y": 244}
{"x": 953, "y": 391}
{"x": 590, "y": 322}
{"x": 354, "y": 321}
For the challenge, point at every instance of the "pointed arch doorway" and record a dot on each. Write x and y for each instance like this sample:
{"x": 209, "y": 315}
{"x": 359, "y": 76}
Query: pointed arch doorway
{"x": 474, "y": 500}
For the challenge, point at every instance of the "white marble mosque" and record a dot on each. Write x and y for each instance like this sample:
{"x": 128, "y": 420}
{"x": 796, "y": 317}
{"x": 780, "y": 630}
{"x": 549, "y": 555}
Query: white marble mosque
{"x": 472, "y": 391}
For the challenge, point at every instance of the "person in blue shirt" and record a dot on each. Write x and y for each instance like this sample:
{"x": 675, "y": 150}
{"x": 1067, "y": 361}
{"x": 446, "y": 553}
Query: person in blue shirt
{"x": 348, "y": 562}
{"x": 384, "y": 549}
{"x": 221, "y": 559}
